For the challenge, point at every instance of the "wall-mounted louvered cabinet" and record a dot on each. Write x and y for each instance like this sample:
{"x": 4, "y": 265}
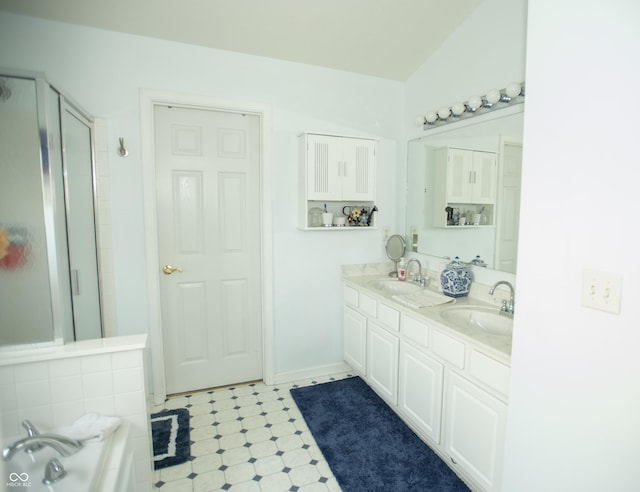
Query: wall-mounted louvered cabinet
{"x": 337, "y": 171}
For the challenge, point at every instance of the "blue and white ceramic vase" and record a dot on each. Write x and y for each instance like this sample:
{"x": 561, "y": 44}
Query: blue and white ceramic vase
{"x": 456, "y": 279}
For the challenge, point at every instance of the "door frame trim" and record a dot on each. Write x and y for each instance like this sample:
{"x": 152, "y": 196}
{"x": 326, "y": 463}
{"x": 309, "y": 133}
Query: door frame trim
{"x": 148, "y": 100}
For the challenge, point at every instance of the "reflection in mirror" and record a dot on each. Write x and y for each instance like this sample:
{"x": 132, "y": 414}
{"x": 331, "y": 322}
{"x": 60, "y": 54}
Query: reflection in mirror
{"x": 463, "y": 194}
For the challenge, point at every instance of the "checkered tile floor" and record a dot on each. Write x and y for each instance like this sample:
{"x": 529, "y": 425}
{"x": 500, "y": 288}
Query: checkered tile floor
{"x": 248, "y": 438}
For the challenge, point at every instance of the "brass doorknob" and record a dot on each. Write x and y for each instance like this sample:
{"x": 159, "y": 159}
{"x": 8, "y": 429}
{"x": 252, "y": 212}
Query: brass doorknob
{"x": 168, "y": 269}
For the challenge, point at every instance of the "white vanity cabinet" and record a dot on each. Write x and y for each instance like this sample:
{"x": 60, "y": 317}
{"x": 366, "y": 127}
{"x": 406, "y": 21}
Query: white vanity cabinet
{"x": 421, "y": 389}
{"x": 355, "y": 340}
{"x": 476, "y": 423}
{"x": 354, "y": 332}
{"x": 382, "y": 361}
{"x": 446, "y": 387}
{"x": 465, "y": 179}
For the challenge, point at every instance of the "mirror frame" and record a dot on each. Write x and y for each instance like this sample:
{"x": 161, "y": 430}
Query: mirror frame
{"x": 396, "y": 238}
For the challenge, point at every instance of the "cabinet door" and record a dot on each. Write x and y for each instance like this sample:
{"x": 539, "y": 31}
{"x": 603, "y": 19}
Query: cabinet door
{"x": 382, "y": 362}
{"x": 484, "y": 178}
{"x": 323, "y": 168}
{"x": 355, "y": 340}
{"x": 420, "y": 390}
{"x": 459, "y": 175}
{"x": 358, "y": 169}
{"x": 475, "y": 431}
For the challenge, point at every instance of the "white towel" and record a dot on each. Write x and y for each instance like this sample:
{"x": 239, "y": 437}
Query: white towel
{"x": 423, "y": 299}
{"x": 93, "y": 427}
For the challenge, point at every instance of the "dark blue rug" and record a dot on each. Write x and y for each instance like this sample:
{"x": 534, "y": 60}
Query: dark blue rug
{"x": 170, "y": 435}
{"x": 368, "y": 447}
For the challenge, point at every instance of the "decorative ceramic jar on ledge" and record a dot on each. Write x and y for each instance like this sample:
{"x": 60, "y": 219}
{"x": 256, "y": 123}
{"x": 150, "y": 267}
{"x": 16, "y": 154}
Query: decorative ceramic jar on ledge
{"x": 456, "y": 279}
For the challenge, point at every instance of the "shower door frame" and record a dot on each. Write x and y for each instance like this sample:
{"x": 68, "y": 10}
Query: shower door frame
{"x": 55, "y": 206}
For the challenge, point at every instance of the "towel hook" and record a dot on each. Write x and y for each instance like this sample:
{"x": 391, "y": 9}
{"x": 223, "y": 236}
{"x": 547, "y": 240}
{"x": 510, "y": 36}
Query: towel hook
{"x": 122, "y": 150}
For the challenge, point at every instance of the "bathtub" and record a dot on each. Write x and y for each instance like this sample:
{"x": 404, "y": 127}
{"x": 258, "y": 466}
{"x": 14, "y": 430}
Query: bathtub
{"x": 104, "y": 466}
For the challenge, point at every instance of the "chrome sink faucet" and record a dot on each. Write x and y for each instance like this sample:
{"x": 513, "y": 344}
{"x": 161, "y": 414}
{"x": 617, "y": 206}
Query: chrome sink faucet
{"x": 63, "y": 445}
{"x": 507, "y": 308}
{"x": 418, "y": 278}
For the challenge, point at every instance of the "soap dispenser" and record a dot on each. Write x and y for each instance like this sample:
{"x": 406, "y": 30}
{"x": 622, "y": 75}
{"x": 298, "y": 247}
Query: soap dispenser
{"x": 402, "y": 270}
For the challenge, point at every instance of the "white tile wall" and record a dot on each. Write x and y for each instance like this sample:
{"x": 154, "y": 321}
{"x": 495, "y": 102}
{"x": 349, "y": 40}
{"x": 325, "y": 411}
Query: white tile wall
{"x": 104, "y": 225}
{"x": 54, "y": 393}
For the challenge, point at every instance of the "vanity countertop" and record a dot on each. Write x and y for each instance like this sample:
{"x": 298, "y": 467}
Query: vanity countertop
{"x": 496, "y": 345}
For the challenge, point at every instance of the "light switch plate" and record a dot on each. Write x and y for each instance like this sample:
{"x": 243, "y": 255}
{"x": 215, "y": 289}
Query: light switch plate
{"x": 602, "y": 290}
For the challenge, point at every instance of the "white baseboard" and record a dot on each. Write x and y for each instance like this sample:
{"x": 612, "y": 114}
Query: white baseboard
{"x": 284, "y": 377}
{"x": 312, "y": 372}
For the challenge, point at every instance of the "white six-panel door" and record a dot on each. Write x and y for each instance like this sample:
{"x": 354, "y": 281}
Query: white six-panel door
{"x": 208, "y": 213}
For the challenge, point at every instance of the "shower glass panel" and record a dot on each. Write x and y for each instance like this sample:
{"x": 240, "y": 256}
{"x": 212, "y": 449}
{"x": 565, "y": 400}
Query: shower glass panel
{"x": 81, "y": 230}
{"x": 49, "y": 280}
{"x": 25, "y": 289}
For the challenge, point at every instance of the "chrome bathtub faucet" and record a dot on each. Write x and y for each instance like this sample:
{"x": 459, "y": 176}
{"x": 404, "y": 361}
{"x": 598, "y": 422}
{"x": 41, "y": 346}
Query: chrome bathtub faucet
{"x": 32, "y": 430}
{"x": 63, "y": 445}
{"x": 53, "y": 472}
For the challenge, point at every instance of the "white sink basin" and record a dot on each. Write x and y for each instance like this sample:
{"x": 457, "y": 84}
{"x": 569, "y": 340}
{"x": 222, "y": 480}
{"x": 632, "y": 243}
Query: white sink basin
{"x": 395, "y": 286}
{"x": 486, "y": 319}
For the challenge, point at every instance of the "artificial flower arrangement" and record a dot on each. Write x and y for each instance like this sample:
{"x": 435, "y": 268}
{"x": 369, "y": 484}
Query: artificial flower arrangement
{"x": 360, "y": 216}
{"x": 14, "y": 247}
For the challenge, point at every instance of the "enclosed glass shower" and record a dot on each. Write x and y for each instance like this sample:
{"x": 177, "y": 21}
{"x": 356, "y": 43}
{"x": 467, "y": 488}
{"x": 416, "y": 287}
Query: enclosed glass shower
{"x": 49, "y": 279}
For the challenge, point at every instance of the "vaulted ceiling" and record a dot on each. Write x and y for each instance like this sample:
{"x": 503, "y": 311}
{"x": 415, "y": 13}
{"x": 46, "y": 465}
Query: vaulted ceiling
{"x": 382, "y": 38}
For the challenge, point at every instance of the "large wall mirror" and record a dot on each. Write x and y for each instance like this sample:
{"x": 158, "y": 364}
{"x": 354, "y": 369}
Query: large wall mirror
{"x": 444, "y": 221}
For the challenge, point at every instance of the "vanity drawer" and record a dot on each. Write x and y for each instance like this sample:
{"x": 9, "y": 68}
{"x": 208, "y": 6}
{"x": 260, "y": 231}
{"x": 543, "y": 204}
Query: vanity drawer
{"x": 368, "y": 305}
{"x": 490, "y": 372}
{"x": 415, "y": 330}
{"x": 388, "y": 317}
{"x": 448, "y": 348}
{"x": 350, "y": 296}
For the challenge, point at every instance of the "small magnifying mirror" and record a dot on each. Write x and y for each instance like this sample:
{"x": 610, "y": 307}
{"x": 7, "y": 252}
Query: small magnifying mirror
{"x": 396, "y": 248}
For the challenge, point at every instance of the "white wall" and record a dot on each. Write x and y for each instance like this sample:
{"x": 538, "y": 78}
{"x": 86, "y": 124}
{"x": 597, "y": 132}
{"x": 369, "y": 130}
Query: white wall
{"x": 104, "y": 71}
{"x": 574, "y": 410}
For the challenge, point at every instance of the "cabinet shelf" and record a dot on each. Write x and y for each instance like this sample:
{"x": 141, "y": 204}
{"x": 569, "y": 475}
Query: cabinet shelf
{"x": 336, "y": 228}
{"x": 466, "y": 226}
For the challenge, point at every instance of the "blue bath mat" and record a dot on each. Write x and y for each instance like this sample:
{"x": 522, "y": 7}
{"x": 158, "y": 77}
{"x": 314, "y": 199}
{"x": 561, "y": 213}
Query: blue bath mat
{"x": 170, "y": 434}
{"x": 368, "y": 447}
